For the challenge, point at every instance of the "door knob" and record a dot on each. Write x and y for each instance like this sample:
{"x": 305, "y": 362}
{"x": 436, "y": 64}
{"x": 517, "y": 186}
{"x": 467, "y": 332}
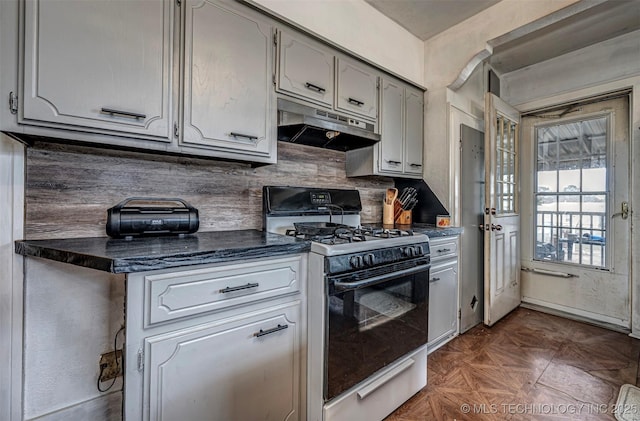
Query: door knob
{"x": 496, "y": 227}
{"x": 624, "y": 211}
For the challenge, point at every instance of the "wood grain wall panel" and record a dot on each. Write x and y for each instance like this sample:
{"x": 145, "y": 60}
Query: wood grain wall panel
{"x": 69, "y": 188}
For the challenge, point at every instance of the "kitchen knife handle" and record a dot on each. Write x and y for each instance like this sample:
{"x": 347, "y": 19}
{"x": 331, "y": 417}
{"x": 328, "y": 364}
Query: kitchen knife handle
{"x": 239, "y": 288}
{"x": 248, "y": 136}
{"x": 355, "y": 102}
{"x": 269, "y": 331}
{"x": 315, "y": 87}
{"x": 113, "y": 112}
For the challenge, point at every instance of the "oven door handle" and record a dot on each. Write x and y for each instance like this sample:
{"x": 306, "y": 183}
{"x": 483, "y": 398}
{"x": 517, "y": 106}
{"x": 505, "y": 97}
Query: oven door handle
{"x": 346, "y": 286}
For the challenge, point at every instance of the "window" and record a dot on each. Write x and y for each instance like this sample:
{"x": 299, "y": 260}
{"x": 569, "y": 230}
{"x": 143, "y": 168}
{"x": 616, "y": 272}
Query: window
{"x": 571, "y": 192}
{"x": 506, "y": 132}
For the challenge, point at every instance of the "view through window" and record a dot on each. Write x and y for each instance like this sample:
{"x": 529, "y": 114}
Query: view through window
{"x": 571, "y": 192}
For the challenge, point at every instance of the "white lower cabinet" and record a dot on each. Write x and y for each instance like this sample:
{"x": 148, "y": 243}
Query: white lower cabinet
{"x": 238, "y": 362}
{"x": 239, "y": 369}
{"x": 443, "y": 292}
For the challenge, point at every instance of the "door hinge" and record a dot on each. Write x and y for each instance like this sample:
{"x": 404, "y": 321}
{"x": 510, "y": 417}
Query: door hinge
{"x": 140, "y": 360}
{"x": 275, "y": 38}
{"x": 13, "y": 103}
{"x": 459, "y": 313}
{"x": 378, "y": 84}
{"x": 179, "y": 3}
{"x": 175, "y": 129}
{"x": 273, "y": 79}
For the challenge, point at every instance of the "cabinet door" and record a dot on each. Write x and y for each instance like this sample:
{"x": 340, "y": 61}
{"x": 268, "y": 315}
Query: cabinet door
{"x": 242, "y": 369}
{"x": 102, "y": 66}
{"x": 414, "y": 133}
{"x": 305, "y": 69}
{"x": 391, "y": 144}
{"x": 443, "y": 301}
{"x": 357, "y": 89}
{"x": 229, "y": 104}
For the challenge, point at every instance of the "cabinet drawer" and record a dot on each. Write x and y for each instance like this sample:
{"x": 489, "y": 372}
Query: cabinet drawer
{"x": 174, "y": 295}
{"x": 443, "y": 249}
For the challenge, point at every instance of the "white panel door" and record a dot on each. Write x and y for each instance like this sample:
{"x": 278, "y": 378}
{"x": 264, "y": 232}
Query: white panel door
{"x": 240, "y": 370}
{"x": 392, "y": 127}
{"x": 357, "y": 89}
{"x": 502, "y": 218}
{"x": 229, "y": 103}
{"x": 414, "y": 131}
{"x": 305, "y": 69}
{"x": 99, "y": 66}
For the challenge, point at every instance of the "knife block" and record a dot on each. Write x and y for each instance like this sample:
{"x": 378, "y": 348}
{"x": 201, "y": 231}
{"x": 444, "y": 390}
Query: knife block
{"x": 401, "y": 217}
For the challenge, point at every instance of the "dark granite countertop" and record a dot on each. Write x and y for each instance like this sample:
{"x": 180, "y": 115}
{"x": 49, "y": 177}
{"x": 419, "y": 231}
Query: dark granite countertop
{"x": 433, "y": 232}
{"x": 150, "y": 253}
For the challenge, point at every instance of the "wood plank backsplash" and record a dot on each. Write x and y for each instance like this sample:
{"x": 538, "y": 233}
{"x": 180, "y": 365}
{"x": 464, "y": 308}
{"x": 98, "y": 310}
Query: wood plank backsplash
{"x": 69, "y": 188}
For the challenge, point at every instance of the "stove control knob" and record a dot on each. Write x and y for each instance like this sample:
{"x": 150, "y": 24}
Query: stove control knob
{"x": 355, "y": 262}
{"x": 369, "y": 259}
{"x": 406, "y": 252}
{"x": 419, "y": 251}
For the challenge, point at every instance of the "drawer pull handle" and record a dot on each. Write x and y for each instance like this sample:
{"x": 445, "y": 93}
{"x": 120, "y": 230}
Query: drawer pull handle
{"x": 113, "y": 112}
{"x": 443, "y": 250}
{"x": 239, "y": 288}
{"x": 269, "y": 331}
{"x": 415, "y": 165}
{"x": 314, "y": 87}
{"x": 356, "y": 102}
{"x": 394, "y": 162}
{"x": 434, "y": 279}
{"x": 247, "y": 136}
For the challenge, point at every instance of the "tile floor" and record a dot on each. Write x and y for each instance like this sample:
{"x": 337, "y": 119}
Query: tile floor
{"x": 529, "y": 366}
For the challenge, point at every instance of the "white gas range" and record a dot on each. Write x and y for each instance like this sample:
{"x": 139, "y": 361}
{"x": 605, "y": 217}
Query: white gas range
{"x": 368, "y": 303}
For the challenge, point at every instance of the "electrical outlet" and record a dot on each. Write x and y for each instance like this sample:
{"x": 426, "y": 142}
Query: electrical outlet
{"x": 108, "y": 367}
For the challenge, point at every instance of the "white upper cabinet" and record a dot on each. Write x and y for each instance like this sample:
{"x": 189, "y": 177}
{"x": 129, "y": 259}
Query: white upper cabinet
{"x": 414, "y": 131}
{"x": 306, "y": 69}
{"x": 392, "y": 127}
{"x": 101, "y": 66}
{"x": 357, "y": 89}
{"x": 229, "y": 103}
{"x": 399, "y": 152}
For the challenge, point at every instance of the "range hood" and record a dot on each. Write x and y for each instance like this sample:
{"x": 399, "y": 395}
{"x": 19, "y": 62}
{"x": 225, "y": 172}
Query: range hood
{"x": 311, "y": 126}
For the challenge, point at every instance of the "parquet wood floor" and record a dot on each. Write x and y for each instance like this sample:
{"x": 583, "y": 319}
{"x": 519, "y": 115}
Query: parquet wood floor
{"x": 529, "y": 366}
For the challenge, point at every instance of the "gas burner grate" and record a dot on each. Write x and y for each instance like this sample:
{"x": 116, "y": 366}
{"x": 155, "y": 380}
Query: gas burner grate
{"x": 384, "y": 232}
{"x": 339, "y": 236}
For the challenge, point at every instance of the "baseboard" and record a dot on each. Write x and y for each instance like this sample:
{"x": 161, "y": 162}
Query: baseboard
{"x": 107, "y": 407}
{"x": 572, "y": 315}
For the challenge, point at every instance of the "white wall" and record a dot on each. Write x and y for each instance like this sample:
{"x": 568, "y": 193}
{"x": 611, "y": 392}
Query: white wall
{"x": 11, "y": 229}
{"x": 71, "y": 317}
{"x": 446, "y": 55}
{"x": 360, "y": 28}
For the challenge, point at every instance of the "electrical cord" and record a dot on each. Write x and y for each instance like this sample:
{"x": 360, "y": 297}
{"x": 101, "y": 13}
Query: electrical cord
{"x": 103, "y": 366}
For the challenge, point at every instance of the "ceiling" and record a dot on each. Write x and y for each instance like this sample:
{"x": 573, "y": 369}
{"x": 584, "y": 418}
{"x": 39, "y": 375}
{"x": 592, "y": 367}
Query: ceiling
{"x": 574, "y": 27}
{"x": 426, "y": 18}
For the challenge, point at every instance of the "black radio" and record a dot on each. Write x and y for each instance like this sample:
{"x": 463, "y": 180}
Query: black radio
{"x": 156, "y": 217}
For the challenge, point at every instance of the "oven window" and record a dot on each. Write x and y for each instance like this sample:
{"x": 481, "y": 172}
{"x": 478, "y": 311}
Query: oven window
{"x": 370, "y": 328}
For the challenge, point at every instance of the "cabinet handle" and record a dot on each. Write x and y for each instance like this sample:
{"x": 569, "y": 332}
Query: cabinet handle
{"x": 394, "y": 162}
{"x": 415, "y": 165}
{"x": 246, "y": 136}
{"x": 113, "y": 112}
{"x": 434, "y": 279}
{"x": 240, "y": 288}
{"x": 356, "y": 102}
{"x": 443, "y": 250}
{"x": 269, "y": 331}
{"x": 314, "y": 87}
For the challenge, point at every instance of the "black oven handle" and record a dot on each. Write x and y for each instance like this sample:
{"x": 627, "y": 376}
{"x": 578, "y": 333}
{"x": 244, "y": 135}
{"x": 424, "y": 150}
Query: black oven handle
{"x": 346, "y": 286}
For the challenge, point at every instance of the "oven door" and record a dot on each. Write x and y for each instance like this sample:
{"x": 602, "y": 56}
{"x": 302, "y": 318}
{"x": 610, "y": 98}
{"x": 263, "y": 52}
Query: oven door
{"x": 373, "y": 321}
